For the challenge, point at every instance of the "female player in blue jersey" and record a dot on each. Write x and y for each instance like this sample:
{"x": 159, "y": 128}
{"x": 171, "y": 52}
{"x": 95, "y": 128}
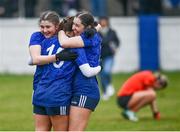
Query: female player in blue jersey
{"x": 49, "y": 26}
{"x": 82, "y": 62}
{"x": 56, "y": 79}
{"x": 85, "y": 90}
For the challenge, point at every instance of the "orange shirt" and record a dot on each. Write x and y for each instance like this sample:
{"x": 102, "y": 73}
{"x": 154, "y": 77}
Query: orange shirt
{"x": 138, "y": 82}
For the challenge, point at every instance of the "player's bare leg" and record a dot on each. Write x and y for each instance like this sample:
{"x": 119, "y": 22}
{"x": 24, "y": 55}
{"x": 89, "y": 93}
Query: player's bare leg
{"x": 42, "y": 122}
{"x": 59, "y": 122}
{"x": 140, "y": 99}
{"x": 79, "y": 118}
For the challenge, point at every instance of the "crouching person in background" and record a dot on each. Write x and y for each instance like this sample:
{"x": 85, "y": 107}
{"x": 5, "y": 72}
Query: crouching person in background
{"x": 139, "y": 91}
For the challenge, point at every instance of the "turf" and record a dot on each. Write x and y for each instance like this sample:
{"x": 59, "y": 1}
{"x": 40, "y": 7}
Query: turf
{"x": 16, "y": 108}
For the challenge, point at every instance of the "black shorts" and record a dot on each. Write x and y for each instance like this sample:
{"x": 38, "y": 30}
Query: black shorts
{"x": 84, "y": 102}
{"x": 61, "y": 110}
{"x": 123, "y": 101}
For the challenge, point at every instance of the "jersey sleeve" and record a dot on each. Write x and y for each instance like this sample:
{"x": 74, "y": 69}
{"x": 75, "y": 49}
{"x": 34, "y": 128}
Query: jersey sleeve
{"x": 82, "y": 59}
{"x": 87, "y": 41}
{"x": 36, "y": 38}
{"x": 83, "y": 64}
{"x": 93, "y": 41}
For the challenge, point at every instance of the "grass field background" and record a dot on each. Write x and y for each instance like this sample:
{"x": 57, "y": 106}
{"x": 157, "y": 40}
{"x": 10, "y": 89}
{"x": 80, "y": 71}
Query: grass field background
{"x": 16, "y": 108}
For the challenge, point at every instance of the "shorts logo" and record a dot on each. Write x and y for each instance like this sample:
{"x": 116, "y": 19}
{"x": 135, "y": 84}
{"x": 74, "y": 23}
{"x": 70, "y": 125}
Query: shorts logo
{"x": 73, "y": 102}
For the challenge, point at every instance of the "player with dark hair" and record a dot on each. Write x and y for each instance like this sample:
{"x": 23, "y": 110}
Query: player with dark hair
{"x": 66, "y": 26}
{"x": 85, "y": 94}
{"x": 139, "y": 91}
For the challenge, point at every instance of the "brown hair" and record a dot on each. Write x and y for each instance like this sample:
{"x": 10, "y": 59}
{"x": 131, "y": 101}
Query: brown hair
{"x": 50, "y": 16}
{"x": 66, "y": 24}
{"x": 87, "y": 19}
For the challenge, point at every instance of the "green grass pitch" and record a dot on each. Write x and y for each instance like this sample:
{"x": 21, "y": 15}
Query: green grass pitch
{"x": 16, "y": 109}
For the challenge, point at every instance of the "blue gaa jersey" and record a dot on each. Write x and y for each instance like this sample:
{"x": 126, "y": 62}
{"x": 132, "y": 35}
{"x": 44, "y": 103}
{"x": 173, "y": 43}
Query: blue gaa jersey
{"x": 36, "y": 39}
{"x": 81, "y": 59}
{"x": 55, "y": 87}
{"x": 83, "y": 85}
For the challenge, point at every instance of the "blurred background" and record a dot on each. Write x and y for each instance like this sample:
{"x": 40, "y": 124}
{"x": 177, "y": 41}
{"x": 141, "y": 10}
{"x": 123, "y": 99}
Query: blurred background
{"x": 32, "y": 8}
{"x": 148, "y": 31}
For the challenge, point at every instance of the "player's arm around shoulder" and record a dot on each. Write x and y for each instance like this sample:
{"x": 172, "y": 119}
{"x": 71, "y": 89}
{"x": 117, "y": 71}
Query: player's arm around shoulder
{"x": 73, "y": 42}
